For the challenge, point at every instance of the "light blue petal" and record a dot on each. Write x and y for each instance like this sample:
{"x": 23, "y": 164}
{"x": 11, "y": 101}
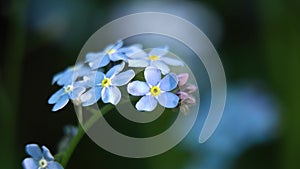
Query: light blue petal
{"x": 84, "y": 70}
{"x": 77, "y": 92}
{"x": 109, "y": 47}
{"x": 122, "y": 78}
{"x": 146, "y": 103}
{"x": 171, "y": 61}
{"x": 117, "y": 56}
{"x": 136, "y": 52}
{"x": 66, "y": 78}
{"x": 29, "y": 163}
{"x": 111, "y": 95}
{"x": 46, "y": 153}
{"x": 152, "y": 75}
{"x": 169, "y": 82}
{"x": 93, "y": 56}
{"x": 118, "y": 44}
{"x": 34, "y": 151}
{"x": 61, "y": 102}
{"x": 158, "y": 51}
{"x": 168, "y": 100}
{"x": 57, "y": 76}
{"x": 161, "y": 66}
{"x": 114, "y": 70}
{"x": 55, "y": 97}
{"x": 101, "y": 61}
{"x": 91, "y": 96}
{"x": 54, "y": 165}
{"x": 138, "y": 63}
{"x": 138, "y": 88}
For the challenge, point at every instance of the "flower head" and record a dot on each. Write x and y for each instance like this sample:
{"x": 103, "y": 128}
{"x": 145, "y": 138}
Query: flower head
{"x": 40, "y": 159}
{"x": 71, "y": 74}
{"x": 113, "y": 52}
{"x": 154, "y": 90}
{"x": 155, "y": 58}
{"x": 105, "y": 86}
{"x": 61, "y": 97}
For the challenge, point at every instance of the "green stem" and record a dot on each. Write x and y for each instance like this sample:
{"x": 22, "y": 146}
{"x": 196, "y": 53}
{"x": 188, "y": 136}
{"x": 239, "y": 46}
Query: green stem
{"x": 81, "y": 131}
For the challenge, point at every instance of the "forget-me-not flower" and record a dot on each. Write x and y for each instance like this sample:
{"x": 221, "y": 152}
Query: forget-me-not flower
{"x": 154, "y": 89}
{"x": 71, "y": 74}
{"x": 156, "y": 58}
{"x": 113, "y": 52}
{"x": 62, "y": 96}
{"x": 40, "y": 159}
{"x": 105, "y": 86}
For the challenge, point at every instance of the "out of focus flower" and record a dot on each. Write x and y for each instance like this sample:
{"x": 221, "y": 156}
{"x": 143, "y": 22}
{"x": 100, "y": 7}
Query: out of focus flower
{"x": 156, "y": 58}
{"x": 40, "y": 159}
{"x": 154, "y": 89}
{"x": 69, "y": 133}
{"x": 105, "y": 86}
{"x": 250, "y": 117}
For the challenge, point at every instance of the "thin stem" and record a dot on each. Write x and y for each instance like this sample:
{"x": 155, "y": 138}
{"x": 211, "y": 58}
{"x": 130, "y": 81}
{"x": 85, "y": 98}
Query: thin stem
{"x": 81, "y": 131}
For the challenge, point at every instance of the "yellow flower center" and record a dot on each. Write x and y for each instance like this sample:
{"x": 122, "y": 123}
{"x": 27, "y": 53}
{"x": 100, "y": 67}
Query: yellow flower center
{"x": 105, "y": 82}
{"x": 43, "y": 163}
{"x": 155, "y": 91}
{"x": 68, "y": 88}
{"x": 153, "y": 57}
{"x": 111, "y": 51}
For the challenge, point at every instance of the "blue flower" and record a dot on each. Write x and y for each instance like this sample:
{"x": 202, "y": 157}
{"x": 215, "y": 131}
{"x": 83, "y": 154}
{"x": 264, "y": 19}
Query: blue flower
{"x": 105, "y": 86}
{"x": 154, "y": 89}
{"x": 156, "y": 58}
{"x": 71, "y": 74}
{"x": 62, "y": 96}
{"x": 40, "y": 159}
{"x": 113, "y": 52}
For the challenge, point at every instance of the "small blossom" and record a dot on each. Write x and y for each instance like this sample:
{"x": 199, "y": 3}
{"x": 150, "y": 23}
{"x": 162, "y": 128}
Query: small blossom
{"x": 113, "y": 52}
{"x": 154, "y": 90}
{"x": 182, "y": 79}
{"x": 62, "y": 96}
{"x": 40, "y": 159}
{"x": 156, "y": 58}
{"x": 105, "y": 86}
{"x": 71, "y": 74}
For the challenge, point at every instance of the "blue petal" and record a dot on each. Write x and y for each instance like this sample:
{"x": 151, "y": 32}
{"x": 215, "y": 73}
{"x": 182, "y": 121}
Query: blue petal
{"x": 158, "y": 51}
{"x": 171, "y": 61}
{"x": 118, "y": 44}
{"x": 117, "y": 56}
{"x": 122, "y": 78}
{"x": 111, "y": 95}
{"x": 55, "y": 97}
{"x": 114, "y": 70}
{"x": 92, "y": 56}
{"x": 161, "y": 66}
{"x": 46, "y": 153}
{"x": 54, "y": 165}
{"x": 91, "y": 96}
{"x": 146, "y": 103}
{"x": 168, "y": 100}
{"x": 152, "y": 75}
{"x": 136, "y": 52}
{"x": 57, "y": 76}
{"x": 101, "y": 61}
{"x": 34, "y": 151}
{"x": 138, "y": 63}
{"x": 138, "y": 88}
{"x": 29, "y": 163}
{"x": 61, "y": 102}
{"x": 75, "y": 94}
{"x": 169, "y": 82}
{"x": 66, "y": 78}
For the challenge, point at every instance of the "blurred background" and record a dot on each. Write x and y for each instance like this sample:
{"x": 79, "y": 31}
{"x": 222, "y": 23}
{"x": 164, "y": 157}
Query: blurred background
{"x": 258, "y": 42}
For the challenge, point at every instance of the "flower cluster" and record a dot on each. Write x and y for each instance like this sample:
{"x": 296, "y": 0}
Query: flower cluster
{"x": 99, "y": 77}
{"x": 86, "y": 83}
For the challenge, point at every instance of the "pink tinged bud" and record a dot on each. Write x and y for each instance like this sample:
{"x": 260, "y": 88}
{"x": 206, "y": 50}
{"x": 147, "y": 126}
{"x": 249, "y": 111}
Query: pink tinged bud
{"x": 190, "y": 88}
{"x": 189, "y": 100}
{"x": 182, "y": 78}
{"x": 182, "y": 95}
